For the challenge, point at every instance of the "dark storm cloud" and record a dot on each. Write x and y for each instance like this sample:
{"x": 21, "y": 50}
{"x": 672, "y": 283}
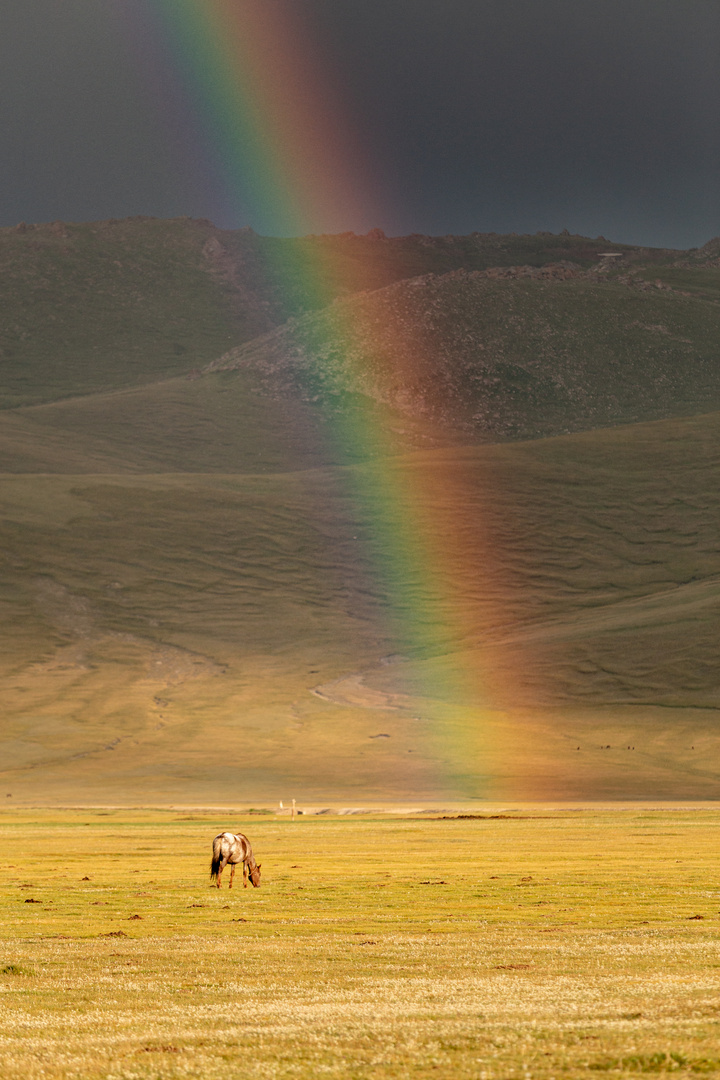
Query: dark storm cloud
{"x": 598, "y": 115}
{"x": 512, "y": 115}
{"x": 86, "y": 133}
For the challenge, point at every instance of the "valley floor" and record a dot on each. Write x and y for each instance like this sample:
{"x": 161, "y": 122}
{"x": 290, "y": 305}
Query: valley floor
{"x": 514, "y": 943}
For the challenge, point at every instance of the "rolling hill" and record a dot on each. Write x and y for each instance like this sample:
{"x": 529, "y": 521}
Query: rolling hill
{"x": 192, "y": 611}
{"x": 495, "y": 355}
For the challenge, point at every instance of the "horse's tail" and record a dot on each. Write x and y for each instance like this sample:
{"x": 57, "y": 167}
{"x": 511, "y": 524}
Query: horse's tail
{"x": 216, "y": 860}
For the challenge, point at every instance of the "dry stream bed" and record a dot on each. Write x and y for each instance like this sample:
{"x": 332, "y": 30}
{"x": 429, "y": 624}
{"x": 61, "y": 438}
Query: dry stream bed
{"x": 543, "y": 943}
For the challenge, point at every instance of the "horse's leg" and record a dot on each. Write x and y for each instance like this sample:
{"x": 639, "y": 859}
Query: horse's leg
{"x": 232, "y": 874}
{"x": 244, "y": 875}
{"x": 220, "y": 870}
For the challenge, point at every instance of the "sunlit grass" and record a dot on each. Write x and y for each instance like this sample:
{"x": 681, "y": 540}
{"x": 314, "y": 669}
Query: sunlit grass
{"x": 542, "y": 943}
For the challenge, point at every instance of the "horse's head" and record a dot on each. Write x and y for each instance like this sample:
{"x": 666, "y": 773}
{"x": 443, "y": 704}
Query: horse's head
{"x": 254, "y": 873}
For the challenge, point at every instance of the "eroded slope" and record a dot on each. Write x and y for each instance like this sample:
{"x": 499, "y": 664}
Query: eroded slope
{"x": 149, "y": 620}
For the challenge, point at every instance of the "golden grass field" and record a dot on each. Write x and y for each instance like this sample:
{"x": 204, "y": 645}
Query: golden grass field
{"x": 541, "y": 943}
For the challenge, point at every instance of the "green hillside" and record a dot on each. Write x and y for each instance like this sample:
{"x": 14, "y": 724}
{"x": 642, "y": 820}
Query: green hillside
{"x": 502, "y": 357}
{"x": 91, "y": 307}
{"x": 103, "y": 305}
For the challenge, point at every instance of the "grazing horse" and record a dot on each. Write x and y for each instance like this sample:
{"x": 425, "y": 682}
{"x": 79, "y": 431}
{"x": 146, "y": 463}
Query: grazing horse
{"x": 229, "y": 848}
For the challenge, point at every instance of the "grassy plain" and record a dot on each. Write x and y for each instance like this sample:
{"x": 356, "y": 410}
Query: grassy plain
{"x": 538, "y": 943}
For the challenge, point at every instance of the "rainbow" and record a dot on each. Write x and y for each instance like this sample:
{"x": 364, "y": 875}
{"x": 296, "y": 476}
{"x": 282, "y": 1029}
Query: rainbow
{"x": 272, "y": 119}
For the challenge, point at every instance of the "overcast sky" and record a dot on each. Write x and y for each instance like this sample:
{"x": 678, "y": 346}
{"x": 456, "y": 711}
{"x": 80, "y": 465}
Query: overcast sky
{"x": 600, "y": 116}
